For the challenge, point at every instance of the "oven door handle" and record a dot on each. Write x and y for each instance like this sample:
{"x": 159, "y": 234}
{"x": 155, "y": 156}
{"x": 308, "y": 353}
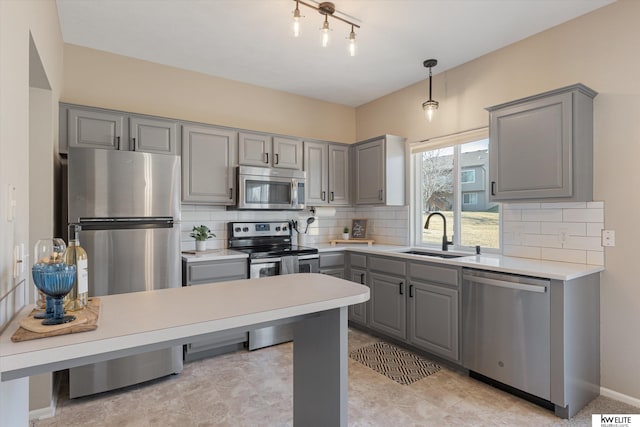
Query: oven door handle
{"x": 265, "y": 261}
{"x": 305, "y": 257}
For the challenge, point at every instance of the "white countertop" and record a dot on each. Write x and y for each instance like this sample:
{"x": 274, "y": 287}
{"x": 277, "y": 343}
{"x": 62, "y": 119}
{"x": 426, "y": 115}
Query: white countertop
{"x": 137, "y": 319}
{"x": 214, "y": 255}
{"x": 493, "y": 262}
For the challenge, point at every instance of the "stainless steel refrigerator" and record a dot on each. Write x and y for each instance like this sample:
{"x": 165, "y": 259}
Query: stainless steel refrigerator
{"x": 128, "y": 205}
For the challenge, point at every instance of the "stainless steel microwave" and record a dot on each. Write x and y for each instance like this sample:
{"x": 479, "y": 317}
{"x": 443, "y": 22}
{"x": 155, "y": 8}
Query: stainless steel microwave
{"x": 270, "y": 188}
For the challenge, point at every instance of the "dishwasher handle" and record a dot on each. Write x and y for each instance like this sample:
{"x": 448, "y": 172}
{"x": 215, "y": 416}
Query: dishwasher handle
{"x": 505, "y": 284}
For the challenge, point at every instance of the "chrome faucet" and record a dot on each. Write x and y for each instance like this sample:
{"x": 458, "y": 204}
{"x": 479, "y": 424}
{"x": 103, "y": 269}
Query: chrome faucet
{"x": 445, "y": 242}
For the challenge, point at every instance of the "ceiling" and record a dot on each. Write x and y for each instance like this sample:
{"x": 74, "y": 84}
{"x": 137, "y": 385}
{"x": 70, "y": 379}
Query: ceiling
{"x": 252, "y": 40}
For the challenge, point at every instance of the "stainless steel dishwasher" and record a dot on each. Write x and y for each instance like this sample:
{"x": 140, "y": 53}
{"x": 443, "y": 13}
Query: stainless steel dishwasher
{"x": 505, "y": 329}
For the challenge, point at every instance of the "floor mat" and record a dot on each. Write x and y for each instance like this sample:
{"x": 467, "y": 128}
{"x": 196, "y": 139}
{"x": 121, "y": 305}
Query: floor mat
{"x": 394, "y": 363}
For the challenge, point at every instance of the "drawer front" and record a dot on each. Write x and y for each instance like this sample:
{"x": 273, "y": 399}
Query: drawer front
{"x": 434, "y": 273}
{"x": 217, "y": 271}
{"x": 388, "y": 265}
{"x": 357, "y": 260}
{"x": 335, "y": 259}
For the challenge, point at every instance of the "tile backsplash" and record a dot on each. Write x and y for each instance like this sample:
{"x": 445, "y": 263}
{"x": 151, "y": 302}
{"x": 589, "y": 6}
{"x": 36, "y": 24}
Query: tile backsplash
{"x": 387, "y": 225}
{"x": 566, "y": 232}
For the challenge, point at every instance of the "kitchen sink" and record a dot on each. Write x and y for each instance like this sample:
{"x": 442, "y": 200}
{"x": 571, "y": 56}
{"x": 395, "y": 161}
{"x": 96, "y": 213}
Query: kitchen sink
{"x": 435, "y": 254}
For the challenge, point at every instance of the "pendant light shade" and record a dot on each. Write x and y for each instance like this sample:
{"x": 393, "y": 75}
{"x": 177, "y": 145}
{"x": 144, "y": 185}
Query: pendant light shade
{"x": 430, "y": 106}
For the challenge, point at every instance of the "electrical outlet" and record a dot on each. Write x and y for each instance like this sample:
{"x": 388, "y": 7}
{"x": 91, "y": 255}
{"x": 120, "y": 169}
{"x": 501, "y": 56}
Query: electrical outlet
{"x": 608, "y": 238}
{"x": 562, "y": 235}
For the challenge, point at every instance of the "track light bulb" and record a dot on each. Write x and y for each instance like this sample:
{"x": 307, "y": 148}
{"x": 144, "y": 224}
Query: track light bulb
{"x": 352, "y": 43}
{"x": 325, "y": 32}
{"x": 296, "y": 21}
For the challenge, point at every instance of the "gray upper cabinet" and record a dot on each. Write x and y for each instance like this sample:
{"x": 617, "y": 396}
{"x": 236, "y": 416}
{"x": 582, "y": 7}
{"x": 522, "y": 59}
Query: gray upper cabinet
{"x": 327, "y": 168}
{"x": 380, "y": 171}
{"x": 256, "y": 149}
{"x": 152, "y": 135}
{"x": 541, "y": 147}
{"x": 315, "y": 165}
{"x": 339, "y": 175}
{"x": 287, "y": 153}
{"x": 208, "y": 165}
{"x": 93, "y": 129}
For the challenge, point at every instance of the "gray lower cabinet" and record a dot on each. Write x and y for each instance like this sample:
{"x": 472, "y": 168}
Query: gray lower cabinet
{"x": 90, "y": 127}
{"x": 205, "y": 272}
{"x": 358, "y": 312}
{"x": 208, "y": 165}
{"x": 379, "y": 177}
{"x": 332, "y": 264}
{"x": 541, "y": 147}
{"x": 433, "y": 317}
{"x": 388, "y": 305}
{"x": 415, "y": 302}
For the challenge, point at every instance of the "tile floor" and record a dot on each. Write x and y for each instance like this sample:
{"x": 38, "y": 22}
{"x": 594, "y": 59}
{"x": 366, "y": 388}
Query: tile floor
{"x": 254, "y": 389}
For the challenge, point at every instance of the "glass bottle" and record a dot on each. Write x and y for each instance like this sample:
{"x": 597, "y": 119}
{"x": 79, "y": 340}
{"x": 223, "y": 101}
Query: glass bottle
{"x": 76, "y": 255}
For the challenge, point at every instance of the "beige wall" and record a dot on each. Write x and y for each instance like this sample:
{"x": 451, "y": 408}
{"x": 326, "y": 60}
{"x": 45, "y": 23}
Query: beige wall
{"x": 18, "y": 19}
{"x": 102, "y": 79}
{"x": 600, "y": 50}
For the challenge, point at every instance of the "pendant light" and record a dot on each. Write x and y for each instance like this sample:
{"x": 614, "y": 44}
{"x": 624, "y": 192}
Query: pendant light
{"x": 430, "y": 106}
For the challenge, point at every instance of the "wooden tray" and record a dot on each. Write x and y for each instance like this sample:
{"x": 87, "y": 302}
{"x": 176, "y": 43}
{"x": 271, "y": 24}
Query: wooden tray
{"x": 32, "y": 329}
{"x": 369, "y": 242}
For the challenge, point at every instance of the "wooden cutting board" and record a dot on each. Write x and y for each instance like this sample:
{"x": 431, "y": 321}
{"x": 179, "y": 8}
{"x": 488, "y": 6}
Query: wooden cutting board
{"x": 369, "y": 242}
{"x": 32, "y": 329}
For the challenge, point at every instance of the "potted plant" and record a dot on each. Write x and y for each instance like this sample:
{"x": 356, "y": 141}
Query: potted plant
{"x": 345, "y": 233}
{"x": 201, "y": 234}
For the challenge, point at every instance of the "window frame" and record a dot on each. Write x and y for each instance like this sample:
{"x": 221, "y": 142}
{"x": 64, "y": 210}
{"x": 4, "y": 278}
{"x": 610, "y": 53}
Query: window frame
{"x": 415, "y": 209}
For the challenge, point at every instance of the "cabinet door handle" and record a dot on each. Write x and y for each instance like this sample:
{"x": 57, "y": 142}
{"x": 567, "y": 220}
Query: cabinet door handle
{"x": 410, "y": 291}
{"x": 133, "y": 148}
{"x": 231, "y": 193}
{"x": 362, "y": 278}
{"x": 266, "y": 158}
{"x": 380, "y": 194}
{"x": 400, "y": 285}
{"x": 276, "y": 159}
{"x": 117, "y": 142}
{"x": 323, "y": 196}
{"x": 332, "y": 198}
{"x": 493, "y": 188}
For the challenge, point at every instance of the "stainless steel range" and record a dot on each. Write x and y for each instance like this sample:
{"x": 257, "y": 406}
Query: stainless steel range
{"x": 271, "y": 253}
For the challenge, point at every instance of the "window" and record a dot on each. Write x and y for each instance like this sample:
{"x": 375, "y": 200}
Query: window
{"x": 440, "y": 168}
{"x": 469, "y": 198}
{"x": 468, "y": 176}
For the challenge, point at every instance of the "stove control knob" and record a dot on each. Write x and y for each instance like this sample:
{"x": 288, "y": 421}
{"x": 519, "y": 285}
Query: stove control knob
{"x": 284, "y": 228}
{"x": 237, "y": 229}
{"x": 245, "y": 229}
{"x": 277, "y": 228}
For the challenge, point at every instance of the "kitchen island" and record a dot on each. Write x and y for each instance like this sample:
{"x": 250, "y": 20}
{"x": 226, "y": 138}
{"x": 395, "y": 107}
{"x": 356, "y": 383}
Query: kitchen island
{"x": 143, "y": 321}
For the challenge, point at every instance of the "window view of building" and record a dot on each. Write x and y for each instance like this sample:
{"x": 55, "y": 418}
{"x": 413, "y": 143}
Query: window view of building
{"x": 454, "y": 180}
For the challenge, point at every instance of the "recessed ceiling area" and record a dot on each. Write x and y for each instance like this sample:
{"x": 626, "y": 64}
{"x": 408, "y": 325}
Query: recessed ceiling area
{"x": 252, "y": 40}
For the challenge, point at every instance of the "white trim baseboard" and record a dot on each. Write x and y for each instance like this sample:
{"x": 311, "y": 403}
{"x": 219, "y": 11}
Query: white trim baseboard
{"x": 620, "y": 397}
{"x": 42, "y": 413}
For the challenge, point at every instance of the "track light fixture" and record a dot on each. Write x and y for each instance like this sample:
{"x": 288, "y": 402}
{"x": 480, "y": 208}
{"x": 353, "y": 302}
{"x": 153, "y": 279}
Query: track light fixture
{"x": 327, "y": 9}
{"x": 430, "y": 106}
